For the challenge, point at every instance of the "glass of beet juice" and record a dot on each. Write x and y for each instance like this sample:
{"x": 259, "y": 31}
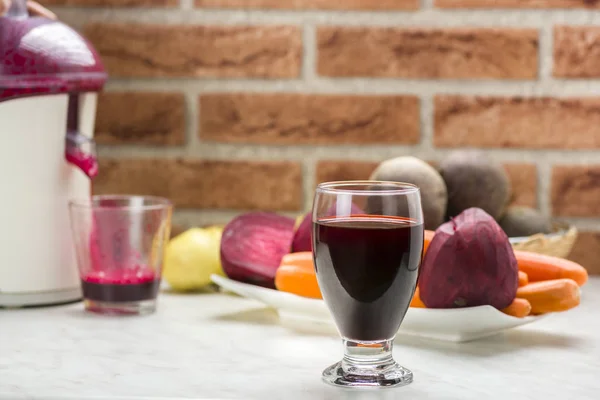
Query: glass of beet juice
{"x": 120, "y": 242}
{"x": 367, "y": 244}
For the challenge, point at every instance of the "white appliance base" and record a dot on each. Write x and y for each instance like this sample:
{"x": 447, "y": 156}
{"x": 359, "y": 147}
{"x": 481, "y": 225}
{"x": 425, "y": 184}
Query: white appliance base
{"x": 17, "y": 300}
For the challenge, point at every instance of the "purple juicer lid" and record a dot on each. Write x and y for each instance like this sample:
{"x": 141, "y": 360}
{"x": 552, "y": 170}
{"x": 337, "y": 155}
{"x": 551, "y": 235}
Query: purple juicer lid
{"x": 41, "y": 56}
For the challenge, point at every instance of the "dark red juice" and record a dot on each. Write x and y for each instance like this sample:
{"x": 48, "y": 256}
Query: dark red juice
{"x": 119, "y": 286}
{"x": 367, "y": 267}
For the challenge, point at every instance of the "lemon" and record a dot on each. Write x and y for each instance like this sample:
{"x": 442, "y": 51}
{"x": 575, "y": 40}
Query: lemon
{"x": 299, "y": 220}
{"x": 192, "y": 257}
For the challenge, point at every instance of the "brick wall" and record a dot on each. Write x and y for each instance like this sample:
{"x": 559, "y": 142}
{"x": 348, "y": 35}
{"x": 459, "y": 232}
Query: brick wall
{"x": 233, "y": 105}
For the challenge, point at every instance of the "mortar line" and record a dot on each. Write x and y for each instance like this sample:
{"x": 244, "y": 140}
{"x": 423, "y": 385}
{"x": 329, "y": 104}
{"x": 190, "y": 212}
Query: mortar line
{"x": 583, "y": 223}
{"x": 242, "y": 151}
{"x": 426, "y": 17}
{"x": 427, "y": 122}
{"x": 314, "y": 84}
{"x": 545, "y": 53}
{"x": 544, "y": 168}
{"x": 309, "y": 169}
{"x": 186, "y": 4}
{"x": 427, "y": 4}
{"x": 197, "y": 217}
{"x": 309, "y": 52}
{"x": 191, "y": 123}
{"x": 193, "y": 217}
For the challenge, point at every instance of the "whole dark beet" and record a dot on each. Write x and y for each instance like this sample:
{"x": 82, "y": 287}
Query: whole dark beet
{"x": 469, "y": 263}
{"x": 524, "y": 221}
{"x": 474, "y": 179}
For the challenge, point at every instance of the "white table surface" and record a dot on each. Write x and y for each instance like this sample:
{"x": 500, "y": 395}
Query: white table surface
{"x": 217, "y": 346}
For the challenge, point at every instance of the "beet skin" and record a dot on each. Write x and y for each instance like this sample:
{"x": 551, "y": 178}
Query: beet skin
{"x": 253, "y": 245}
{"x": 303, "y": 235}
{"x": 469, "y": 263}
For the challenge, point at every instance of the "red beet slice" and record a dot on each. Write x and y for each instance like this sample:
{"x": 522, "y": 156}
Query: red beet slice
{"x": 469, "y": 262}
{"x": 253, "y": 245}
{"x": 303, "y": 235}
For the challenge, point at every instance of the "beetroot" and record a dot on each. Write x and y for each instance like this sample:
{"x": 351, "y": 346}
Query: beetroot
{"x": 469, "y": 262}
{"x": 303, "y": 235}
{"x": 253, "y": 245}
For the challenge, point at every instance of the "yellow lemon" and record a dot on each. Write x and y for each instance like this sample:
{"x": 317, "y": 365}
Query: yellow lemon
{"x": 192, "y": 257}
{"x": 299, "y": 219}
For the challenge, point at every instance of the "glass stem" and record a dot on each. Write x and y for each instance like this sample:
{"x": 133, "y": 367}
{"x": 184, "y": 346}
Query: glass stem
{"x": 370, "y": 358}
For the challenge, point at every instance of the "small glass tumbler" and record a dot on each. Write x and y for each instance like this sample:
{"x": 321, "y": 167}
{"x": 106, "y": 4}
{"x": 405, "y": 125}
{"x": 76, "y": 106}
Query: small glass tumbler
{"x": 120, "y": 243}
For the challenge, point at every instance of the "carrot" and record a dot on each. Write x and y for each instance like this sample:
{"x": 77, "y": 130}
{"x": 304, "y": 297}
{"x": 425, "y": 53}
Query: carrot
{"x": 428, "y": 238}
{"x": 296, "y": 275}
{"x": 416, "y": 301}
{"x": 523, "y": 279}
{"x": 303, "y": 258}
{"x": 551, "y": 296}
{"x": 519, "y": 308}
{"x": 539, "y": 267}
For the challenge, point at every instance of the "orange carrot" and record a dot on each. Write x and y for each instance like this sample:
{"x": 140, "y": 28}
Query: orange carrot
{"x": 416, "y": 300}
{"x": 303, "y": 258}
{"x": 523, "y": 279}
{"x": 551, "y": 296}
{"x": 539, "y": 267}
{"x": 296, "y": 275}
{"x": 518, "y": 308}
{"x": 428, "y": 238}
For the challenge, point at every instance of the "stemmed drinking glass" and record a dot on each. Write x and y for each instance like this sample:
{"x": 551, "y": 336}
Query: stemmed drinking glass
{"x": 368, "y": 243}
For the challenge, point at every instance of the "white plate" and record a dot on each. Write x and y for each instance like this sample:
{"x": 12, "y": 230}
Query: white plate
{"x": 454, "y": 325}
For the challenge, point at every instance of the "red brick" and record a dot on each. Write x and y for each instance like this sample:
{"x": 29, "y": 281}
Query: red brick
{"x": 570, "y": 123}
{"x": 330, "y": 171}
{"x": 141, "y": 118}
{"x": 576, "y": 190}
{"x": 517, "y": 3}
{"x": 243, "y": 185}
{"x": 313, "y": 4}
{"x": 452, "y": 53}
{"x": 112, "y": 3}
{"x": 143, "y": 50}
{"x": 576, "y": 51}
{"x": 309, "y": 119}
{"x": 524, "y": 183}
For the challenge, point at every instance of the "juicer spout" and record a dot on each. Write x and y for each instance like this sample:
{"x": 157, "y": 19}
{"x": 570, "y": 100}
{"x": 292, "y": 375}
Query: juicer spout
{"x": 16, "y": 8}
{"x": 81, "y": 152}
{"x": 23, "y": 9}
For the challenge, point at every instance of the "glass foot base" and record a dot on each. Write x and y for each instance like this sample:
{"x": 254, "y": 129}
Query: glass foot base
{"x": 124, "y": 308}
{"x": 393, "y": 375}
{"x": 367, "y": 365}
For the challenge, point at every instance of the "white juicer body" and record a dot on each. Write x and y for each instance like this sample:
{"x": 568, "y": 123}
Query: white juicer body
{"x": 37, "y": 257}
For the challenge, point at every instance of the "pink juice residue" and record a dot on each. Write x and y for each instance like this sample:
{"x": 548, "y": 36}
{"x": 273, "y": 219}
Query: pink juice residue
{"x": 86, "y": 162}
{"x": 126, "y": 276}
